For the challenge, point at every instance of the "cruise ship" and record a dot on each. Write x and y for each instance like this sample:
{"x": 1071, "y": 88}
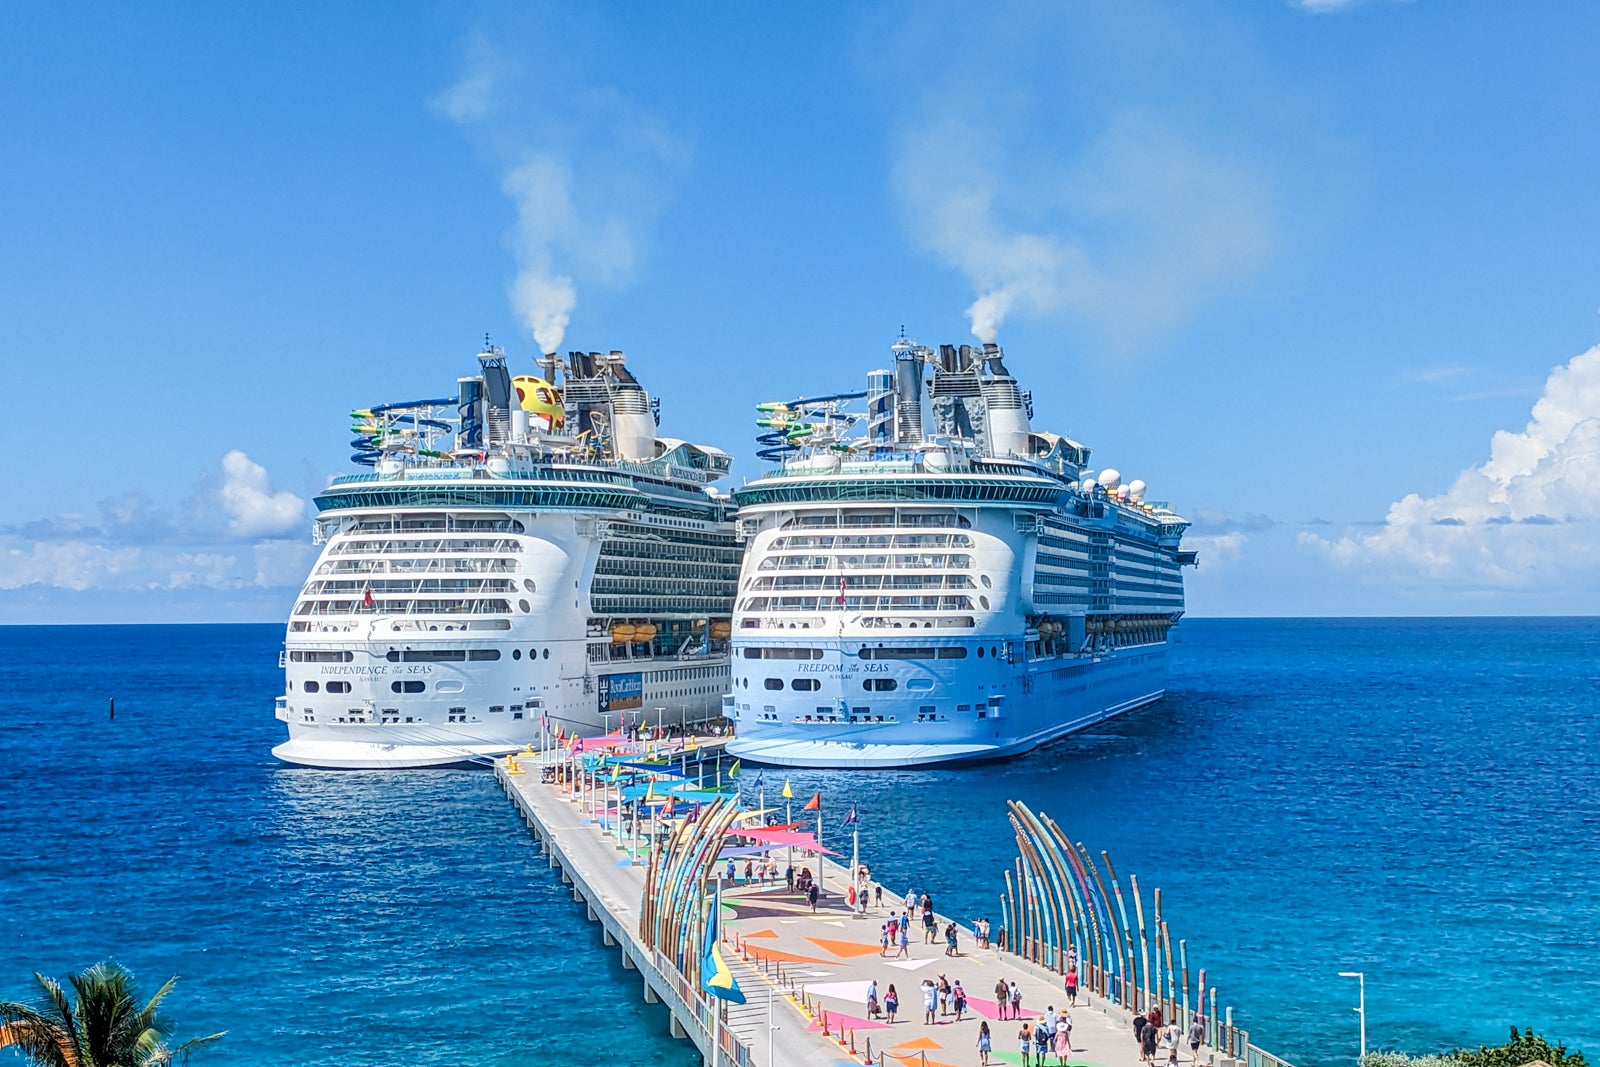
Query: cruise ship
{"x": 927, "y": 579}
{"x": 523, "y": 558}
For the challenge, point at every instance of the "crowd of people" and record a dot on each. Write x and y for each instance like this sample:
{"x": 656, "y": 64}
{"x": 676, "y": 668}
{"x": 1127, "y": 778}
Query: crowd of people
{"x": 1039, "y": 1036}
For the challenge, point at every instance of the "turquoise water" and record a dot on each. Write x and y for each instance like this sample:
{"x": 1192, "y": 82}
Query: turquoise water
{"x": 1415, "y": 799}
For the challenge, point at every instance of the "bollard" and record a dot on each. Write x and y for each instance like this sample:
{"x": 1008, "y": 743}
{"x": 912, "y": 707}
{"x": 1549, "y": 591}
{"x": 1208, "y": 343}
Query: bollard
{"x": 852, "y": 1042}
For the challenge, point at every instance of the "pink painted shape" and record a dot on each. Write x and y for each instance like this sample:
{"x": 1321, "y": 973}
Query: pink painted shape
{"x": 851, "y": 1022}
{"x": 987, "y": 1008}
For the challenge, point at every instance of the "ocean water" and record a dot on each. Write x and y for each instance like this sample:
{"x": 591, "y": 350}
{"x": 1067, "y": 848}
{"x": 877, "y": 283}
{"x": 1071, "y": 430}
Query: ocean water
{"x": 1416, "y": 799}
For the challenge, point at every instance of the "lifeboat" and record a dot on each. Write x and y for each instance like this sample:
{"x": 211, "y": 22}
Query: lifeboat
{"x": 644, "y": 632}
{"x": 721, "y": 628}
{"x": 622, "y": 633}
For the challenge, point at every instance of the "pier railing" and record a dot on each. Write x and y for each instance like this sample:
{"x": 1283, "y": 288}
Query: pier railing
{"x": 1062, "y": 910}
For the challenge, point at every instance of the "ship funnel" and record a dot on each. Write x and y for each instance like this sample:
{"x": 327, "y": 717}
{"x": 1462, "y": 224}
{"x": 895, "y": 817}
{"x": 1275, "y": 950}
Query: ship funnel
{"x": 496, "y": 396}
{"x": 908, "y": 397}
{"x": 1006, "y": 407}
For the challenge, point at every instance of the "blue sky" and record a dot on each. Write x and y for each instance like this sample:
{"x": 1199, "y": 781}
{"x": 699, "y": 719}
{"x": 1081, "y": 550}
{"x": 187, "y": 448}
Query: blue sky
{"x": 1322, "y": 274}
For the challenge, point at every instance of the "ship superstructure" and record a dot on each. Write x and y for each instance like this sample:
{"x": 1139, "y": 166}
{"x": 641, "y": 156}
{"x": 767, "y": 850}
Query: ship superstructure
{"x": 927, "y": 579}
{"x": 525, "y": 557}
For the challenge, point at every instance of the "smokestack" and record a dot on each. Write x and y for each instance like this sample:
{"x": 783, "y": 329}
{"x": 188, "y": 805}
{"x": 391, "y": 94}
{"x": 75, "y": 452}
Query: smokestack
{"x": 966, "y": 357}
{"x": 496, "y": 396}
{"x": 908, "y": 397}
{"x": 949, "y": 361}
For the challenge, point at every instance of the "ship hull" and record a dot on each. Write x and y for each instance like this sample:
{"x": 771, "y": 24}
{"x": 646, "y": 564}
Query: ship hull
{"x": 1026, "y": 709}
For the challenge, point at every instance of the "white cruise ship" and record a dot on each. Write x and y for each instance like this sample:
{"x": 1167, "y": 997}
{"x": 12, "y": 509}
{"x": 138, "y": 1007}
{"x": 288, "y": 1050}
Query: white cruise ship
{"x": 931, "y": 580}
{"x": 524, "y": 557}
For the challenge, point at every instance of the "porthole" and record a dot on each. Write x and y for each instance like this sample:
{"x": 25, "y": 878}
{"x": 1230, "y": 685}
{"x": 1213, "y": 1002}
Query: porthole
{"x": 338, "y": 687}
{"x": 527, "y": 583}
{"x": 980, "y": 651}
{"x": 983, "y": 602}
{"x": 523, "y": 604}
{"x": 547, "y": 653}
{"x": 984, "y": 578}
{"x": 312, "y": 687}
{"x": 773, "y": 683}
{"x": 516, "y": 653}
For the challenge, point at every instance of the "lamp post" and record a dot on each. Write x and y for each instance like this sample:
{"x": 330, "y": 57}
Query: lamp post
{"x": 1360, "y": 976}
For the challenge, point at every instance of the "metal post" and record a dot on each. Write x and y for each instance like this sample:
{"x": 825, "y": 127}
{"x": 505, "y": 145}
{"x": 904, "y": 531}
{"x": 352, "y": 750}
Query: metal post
{"x": 1361, "y": 1010}
{"x": 770, "y": 1028}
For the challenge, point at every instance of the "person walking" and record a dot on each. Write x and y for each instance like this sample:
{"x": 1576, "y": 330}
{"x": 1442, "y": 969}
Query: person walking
{"x": 883, "y": 940}
{"x": 905, "y": 943}
{"x": 1148, "y": 1039}
{"x": 1072, "y": 957}
{"x": 891, "y": 1003}
{"x": 1139, "y": 1023}
{"x": 1063, "y": 1041}
{"x": 911, "y": 899}
{"x": 951, "y": 944}
{"x": 944, "y": 995}
{"x": 984, "y": 1042}
{"x": 930, "y": 1000}
{"x": 749, "y": 872}
{"x": 958, "y": 999}
{"x": 1072, "y": 988}
{"x": 731, "y": 879}
{"x": 1002, "y": 997}
{"x": 877, "y": 896}
{"x": 872, "y": 999}
{"x": 930, "y": 925}
{"x": 1016, "y": 1001}
{"x": 1171, "y": 1039}
{"x": 1042, "y": 1037}
{"x": 1025, "y": 1043}
{"x": 811, "y": 895}
{"x": 1197, "y": 1034}
{"x": 788, "y": 876}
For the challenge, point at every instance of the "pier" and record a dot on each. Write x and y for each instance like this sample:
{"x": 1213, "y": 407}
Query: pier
{"x": 804, "y": 973}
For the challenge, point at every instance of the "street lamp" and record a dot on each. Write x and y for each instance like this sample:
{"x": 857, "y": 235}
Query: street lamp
{"x": 1361, "y": 976}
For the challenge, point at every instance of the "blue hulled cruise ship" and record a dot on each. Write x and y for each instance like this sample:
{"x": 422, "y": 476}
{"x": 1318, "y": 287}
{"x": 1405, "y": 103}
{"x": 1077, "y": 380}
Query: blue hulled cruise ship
{"x": 930, "y": 580}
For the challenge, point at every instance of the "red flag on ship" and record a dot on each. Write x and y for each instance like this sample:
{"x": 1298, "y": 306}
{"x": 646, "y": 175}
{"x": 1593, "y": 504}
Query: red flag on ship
{"x": 366, "y": 597}
{"x": 841, "y": 590}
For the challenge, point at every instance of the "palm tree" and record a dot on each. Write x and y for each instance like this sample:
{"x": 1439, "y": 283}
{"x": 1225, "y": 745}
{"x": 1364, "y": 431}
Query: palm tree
{"x": 104, "y": 1028}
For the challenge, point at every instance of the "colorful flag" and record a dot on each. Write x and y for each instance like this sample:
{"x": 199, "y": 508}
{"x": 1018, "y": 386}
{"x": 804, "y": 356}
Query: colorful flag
{"x": 366, "y": 597}
{"x": 715, "y": 976}
{"x": 849, "y": 820}
{"x": 670, "y": 806}
{"x": 787, "y": 794}
{"x": 616, "y": 769}
{"x": 814, "y": 804}
{"x": 841, "y": 590}
{"x": 733, "y": 772}
{"x": 760, "y": 779}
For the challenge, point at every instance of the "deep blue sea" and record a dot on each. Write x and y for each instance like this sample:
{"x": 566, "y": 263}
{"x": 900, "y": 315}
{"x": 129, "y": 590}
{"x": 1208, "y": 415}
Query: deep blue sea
{"x": 1416, "y": 799}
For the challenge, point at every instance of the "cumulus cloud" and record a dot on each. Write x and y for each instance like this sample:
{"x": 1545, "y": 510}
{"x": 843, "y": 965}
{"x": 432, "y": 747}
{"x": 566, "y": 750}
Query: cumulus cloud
{"x": 1216, "y": 548}
{"x": 576, "y": 225}
{"x": 1525, "y": 519}
{"x": 253, "y": 509}
{"x": 137, "y": 547}
{"x": 1132, "y": 235}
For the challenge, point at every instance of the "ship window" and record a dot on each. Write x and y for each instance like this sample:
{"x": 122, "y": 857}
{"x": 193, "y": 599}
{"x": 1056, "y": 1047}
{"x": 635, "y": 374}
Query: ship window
{"x": 321, "y": 657}
{"x": 407, "y": 687}
{"x": 523, "y": 604}
{"x": 773, "y": 683}
{"x": 516, "y": 653}
{"x": 920, "y": 684}
{"x": 980, "y": 651}
{"x": 963, "y": 707}
{"x": 516, "y": 714}
{"x": 435, "y": 655}
{"x": 547, "y": 653}
{"x": 338, "y": 687}
{"x": 312, "y": 687}
{"x": 495, "y": 709}
{"x": 954, "y": 652}
{"x": 879, "y": 685}
{"x": 805, "y": 685}
{"x": 484, "y": 654}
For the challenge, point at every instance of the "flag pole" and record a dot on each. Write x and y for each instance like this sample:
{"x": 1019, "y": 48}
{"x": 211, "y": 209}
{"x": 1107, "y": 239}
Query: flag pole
{"x": 716, "y": 1008}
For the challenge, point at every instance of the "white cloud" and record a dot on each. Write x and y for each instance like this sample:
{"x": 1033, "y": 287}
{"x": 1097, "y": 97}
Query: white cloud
{"x": 1216, "y": 548}
{"x": 253, "y": 509}
{"x": 1526, "y": 519}
{"x": 1132, "y": 236}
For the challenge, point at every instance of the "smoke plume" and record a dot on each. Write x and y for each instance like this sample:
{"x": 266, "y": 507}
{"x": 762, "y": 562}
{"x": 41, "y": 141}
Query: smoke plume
{"x": 575, "y": 229}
